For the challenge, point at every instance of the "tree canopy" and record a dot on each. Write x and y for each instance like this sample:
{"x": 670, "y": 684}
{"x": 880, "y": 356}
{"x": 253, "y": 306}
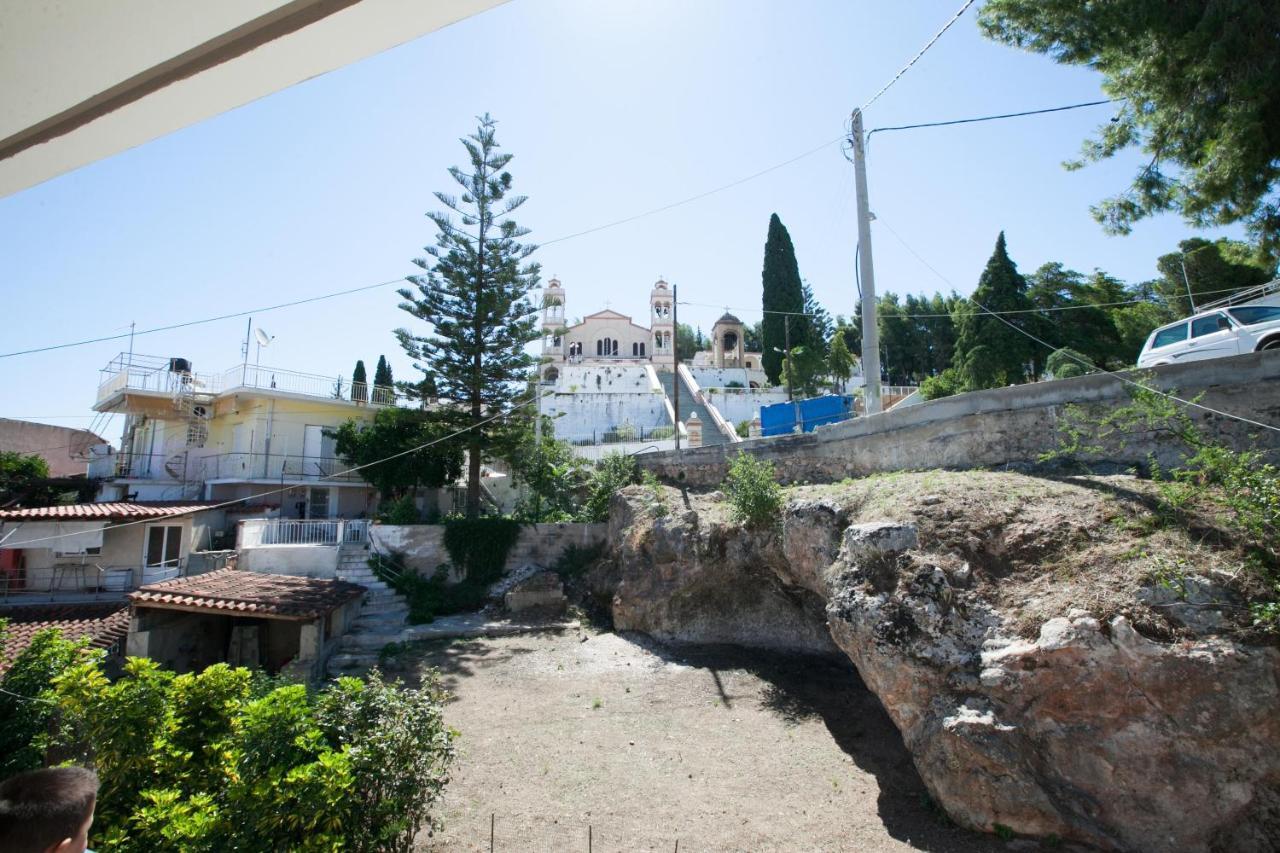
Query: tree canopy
{"x": 1197, "y": 88}
{"x": 393, "y": 432}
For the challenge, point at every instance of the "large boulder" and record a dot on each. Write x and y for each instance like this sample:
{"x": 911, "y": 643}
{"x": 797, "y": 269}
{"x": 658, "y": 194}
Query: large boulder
{"x": 1088, "y": 730}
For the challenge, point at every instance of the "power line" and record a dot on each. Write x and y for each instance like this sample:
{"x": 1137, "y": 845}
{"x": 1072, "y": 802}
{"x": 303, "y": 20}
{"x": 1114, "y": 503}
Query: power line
{"x": 336, "y": 474}
{"x": 1084, "y": 362}
{"x": 189, "y": 323}
{"x": 990, "y": 118}
{"x": 922, "y": 52}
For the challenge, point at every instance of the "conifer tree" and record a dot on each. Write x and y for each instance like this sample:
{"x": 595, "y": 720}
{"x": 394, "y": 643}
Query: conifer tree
{"x": 783, "y": 292}
{"x": 475, "y": 299}
{"x": 359, "y": 383}
{"x": 989, "y": 353}
{"x": 382, "y": 373}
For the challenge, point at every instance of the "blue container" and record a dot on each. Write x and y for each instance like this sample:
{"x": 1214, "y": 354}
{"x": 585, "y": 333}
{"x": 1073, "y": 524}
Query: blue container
{"x": 780, "y": 418}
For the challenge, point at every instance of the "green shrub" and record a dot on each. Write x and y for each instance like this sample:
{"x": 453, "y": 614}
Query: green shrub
{"x": 1066, "y": 362}
{"x": 479, "y": 547}
{"x": 743, "y": 429}
{"x": 26, "y": 704}
{"x": 575, "y": 560}
{"x": 400, "y": 511}
{"x": 613, "y": 473}
{"x": 753, "y": 491}
{"x": 429, "y": 597}
{"x": 199, "y": 762}
{"x": 945, "y": 384}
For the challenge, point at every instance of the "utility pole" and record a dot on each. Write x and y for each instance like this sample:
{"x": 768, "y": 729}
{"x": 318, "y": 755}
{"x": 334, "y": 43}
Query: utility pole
{"x": 870, "y": 331}
{"x": 675, "y": 360}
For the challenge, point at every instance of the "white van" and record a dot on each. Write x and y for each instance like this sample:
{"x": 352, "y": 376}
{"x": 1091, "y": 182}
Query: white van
{"x": 1246, "y": 322}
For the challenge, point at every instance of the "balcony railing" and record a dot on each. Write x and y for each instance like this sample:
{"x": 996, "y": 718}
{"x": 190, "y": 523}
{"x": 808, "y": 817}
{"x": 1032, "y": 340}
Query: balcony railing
{"x": 274, "y": 466}
{"x": 154, "y": 374}
{"x": 256, "y": 532}
{"x": 84, "y": 581}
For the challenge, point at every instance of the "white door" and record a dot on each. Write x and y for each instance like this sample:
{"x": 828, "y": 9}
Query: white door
{"x": 163, "y": 551}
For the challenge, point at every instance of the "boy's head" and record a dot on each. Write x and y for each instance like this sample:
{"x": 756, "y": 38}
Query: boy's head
{"x": 47, "y": 811}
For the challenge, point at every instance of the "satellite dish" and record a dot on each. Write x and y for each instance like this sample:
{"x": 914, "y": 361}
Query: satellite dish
{"x": 263, "y": 337}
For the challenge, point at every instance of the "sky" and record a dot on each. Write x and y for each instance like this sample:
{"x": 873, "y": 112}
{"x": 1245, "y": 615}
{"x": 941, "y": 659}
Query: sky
{"x": 611, "y": 109}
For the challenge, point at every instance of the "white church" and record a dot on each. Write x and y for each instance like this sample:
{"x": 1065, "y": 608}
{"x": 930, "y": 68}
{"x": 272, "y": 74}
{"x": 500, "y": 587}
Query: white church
{"x": 610, "y": 338}
{"x": 611, "y": 384}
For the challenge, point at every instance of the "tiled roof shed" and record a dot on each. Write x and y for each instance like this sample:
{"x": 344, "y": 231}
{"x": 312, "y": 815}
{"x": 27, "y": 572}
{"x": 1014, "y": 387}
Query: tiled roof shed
{"x": 106, "y": 511}
{"x": 105, "y": 624}
{"x": 233, "y": 592}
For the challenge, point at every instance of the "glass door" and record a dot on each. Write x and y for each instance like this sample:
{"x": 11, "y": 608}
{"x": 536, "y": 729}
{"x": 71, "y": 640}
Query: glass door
{"x": 163, "y": 552}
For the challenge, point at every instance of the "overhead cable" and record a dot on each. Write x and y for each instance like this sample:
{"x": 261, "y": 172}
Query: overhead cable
{"x": 922, "y": 52}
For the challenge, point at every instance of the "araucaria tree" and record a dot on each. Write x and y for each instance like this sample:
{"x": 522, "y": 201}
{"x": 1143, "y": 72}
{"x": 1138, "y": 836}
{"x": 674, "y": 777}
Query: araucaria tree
{"x": 474, "y": 296}
{"x": 783, "y": 294}
{"x": 989, "y": 353}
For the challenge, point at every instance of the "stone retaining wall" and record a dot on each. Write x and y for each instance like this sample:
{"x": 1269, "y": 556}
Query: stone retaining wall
{"x": 999, "y": 427}
{"x": 422, "y": 545}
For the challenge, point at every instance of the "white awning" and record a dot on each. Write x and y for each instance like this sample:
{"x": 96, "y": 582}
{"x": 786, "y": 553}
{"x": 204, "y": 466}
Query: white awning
{"x": 73, "y": 537}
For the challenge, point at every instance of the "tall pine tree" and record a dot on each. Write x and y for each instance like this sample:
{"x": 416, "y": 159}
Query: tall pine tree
{"x": 988, "y": 352}
{"x": 475, "y": 299}
{"x": 783, "y": 291}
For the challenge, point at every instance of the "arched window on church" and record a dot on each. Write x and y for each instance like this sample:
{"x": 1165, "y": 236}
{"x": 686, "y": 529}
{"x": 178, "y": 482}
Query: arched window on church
{"x": 614, "y": 350}
{"x": 599, "y": 347}
{"x": 642, "y": 349}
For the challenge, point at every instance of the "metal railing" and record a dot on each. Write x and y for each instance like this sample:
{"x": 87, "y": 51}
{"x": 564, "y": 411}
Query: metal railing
{"x": 153, "y": 374}
{"x": 257, "y": 532}
{"x": 272, "y": 466}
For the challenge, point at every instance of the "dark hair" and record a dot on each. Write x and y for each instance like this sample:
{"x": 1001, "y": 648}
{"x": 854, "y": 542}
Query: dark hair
{"x": 40, "y": 808}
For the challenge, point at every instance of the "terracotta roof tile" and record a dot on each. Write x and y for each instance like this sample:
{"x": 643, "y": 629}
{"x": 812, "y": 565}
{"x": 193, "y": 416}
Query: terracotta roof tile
{"x": 275, "y": 596}
{"x": 105, "y": 624}
{"x": 106, "y": 511}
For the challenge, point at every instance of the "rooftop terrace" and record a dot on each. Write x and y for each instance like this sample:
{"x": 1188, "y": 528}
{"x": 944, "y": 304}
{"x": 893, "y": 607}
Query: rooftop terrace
{"x": 149, "y": 374}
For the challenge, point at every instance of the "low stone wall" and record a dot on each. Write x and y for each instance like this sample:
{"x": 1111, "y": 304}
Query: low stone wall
{"x": 422, "y": 545}
{"x": 999, "y": 427}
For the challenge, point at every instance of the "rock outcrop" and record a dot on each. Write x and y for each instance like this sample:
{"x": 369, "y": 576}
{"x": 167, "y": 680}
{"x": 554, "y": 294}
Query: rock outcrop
{"x": 1089, "y": 731}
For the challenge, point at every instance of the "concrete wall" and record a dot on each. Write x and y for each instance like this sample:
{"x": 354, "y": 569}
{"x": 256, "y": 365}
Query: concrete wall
{"x": 999, "y": 427}
{"x": 579, "y": 417}
{"x": 743, "y": 405}
{"x": 310, "y": 561}
{"x": 422, "y": 545}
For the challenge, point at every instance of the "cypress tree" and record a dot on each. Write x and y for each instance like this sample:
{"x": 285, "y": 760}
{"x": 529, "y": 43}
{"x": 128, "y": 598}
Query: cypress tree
{"x": 382, "y": 373}
{"x": 783, "y": 291}
{"x": 359, "y": 383}
{"x": 474, "y": 299}
{"x": 988, "y": 352}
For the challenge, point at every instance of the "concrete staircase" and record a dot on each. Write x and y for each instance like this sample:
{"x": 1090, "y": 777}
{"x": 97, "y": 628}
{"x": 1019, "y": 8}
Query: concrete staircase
{"x": 688, "y": 405}
{"x": 384, "y": 615}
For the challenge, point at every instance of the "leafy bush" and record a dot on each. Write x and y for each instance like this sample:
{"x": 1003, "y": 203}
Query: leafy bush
{"x": 399, "y": 511}
{"x": 613, "y": 473}
{"x": 26, "y": 704}
{"x": 576, "y": 559}
{"x": 946, "y": 384}
{"x": 743, "y": 429}
{"x": 429, "y": 597}
{"x": 202, "y": 762}
{"x": 479, "y": 547}
{"x": 753, "y": 491}
{"x": 1065, "y": 363}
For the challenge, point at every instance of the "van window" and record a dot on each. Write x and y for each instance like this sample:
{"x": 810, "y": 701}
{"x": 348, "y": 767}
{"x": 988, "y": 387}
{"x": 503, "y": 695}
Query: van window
{"x": 1256, "y": 314}
{"x": 1208, "y": 325}
{"x": 1171, "y": 335}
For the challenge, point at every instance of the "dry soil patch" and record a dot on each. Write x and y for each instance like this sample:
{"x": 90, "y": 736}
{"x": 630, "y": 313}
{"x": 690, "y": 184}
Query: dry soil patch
{"x": 721, "y": 749}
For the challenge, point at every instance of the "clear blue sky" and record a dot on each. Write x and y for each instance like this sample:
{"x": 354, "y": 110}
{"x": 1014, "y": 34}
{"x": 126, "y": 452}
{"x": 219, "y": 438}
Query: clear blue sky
{"x": 611, "y": 109}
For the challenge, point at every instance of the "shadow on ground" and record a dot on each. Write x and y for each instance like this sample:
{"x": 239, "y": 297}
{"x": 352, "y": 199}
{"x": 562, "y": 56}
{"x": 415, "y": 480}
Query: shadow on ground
{"x": 803, "y": 687}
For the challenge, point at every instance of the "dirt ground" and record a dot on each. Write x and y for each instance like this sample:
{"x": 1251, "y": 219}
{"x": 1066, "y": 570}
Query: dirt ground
{"x": 641, "y": 746}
